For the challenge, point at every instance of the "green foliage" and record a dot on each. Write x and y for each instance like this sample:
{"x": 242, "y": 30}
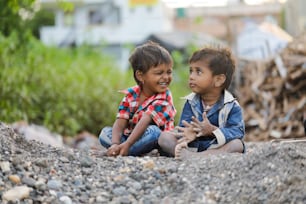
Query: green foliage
{"x": 11, "y": 20}
{"x": 42, "y": 18}
{"x": 65, "y": 90}
{"x": 179, "y": 86}
{"x": 65, "y": 5}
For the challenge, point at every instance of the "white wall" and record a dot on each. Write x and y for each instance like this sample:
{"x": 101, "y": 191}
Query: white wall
{"x": 135, "y": 25}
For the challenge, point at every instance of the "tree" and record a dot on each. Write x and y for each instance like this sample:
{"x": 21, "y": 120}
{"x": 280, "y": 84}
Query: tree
{"x": 12, "y": 20}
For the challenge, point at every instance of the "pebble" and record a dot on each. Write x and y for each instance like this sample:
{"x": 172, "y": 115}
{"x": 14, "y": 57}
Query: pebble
{"x": 37, "y": 173}
{"x": 17, "y": 193}
{"x": 54, "y": 184}
{"x": 86, "y": 161}
{"x": 28, "y": 181}
{"x": 65, "y": 200}
{"x": 15, "y": 179}
{"x": 5, "y": 166}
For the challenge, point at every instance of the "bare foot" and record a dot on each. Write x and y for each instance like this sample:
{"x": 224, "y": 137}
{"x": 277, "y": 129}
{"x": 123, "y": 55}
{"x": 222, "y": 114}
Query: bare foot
{"x": 181, "y": 151}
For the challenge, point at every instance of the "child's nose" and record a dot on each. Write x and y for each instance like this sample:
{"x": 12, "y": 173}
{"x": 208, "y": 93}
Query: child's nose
{"x": 191, "y": 75}
{"x": 166, "y": 75}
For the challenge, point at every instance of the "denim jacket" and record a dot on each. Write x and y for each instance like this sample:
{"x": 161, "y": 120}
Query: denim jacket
{"x": 226, "y": 114}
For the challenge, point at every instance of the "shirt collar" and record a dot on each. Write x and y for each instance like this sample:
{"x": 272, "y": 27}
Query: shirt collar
{"x": 135, "y": 91}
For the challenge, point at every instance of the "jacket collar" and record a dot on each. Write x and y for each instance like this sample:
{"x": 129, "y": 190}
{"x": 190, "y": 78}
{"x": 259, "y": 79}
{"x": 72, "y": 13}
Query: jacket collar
{"x": 193, "y": 97}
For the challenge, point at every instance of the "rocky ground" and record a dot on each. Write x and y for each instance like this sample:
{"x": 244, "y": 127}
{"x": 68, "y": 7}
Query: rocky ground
{"x": 32, "y": 172}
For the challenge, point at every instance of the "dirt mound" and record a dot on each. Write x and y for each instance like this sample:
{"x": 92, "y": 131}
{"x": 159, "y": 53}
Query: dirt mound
{"x": 32, "y": 172}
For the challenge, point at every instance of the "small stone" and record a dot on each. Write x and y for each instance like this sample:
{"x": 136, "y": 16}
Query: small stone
{"x": 41, "y": 163}
{"x": 149, "y": 164}
{"x": 101, "y": 199}
{"x": 64, "y": 159}
{"x": 17, "y": 193}
{"x": 86, "y": 161}
{"x": 65, "y": 200}
{"x": 15, "y": 179}
{"x": 54, "y": 184}
{"x": 29, "y": 181}
{"x": 40, "y": 184}
{"x": 119, "y": 191}
{"x": 5, "y": 166}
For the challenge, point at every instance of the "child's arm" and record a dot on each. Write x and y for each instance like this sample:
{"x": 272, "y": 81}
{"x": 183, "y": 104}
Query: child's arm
{"x": 233, "y": 127}
{"x": 118, "y": 129}
{"x": 137, "y": 132}
{"x": 186, "y": 133}
{"x": 204, "y": 128}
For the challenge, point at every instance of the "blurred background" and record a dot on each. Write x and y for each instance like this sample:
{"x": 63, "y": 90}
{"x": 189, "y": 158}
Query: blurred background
{"x": 63, "y": 61}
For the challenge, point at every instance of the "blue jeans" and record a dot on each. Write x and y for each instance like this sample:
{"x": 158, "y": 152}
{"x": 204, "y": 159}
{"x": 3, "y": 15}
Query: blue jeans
{"x": 204, "y": 144}
{"x": 145, "y": 144}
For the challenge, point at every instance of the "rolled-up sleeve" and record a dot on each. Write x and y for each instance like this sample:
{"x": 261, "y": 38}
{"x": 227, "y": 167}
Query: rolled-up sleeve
{"x": 234, "y": 127}
{"x": 162, "y": 113}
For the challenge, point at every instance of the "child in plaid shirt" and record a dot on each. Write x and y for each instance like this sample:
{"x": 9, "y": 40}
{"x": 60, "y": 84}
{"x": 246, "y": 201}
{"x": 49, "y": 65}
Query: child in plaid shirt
{"x": 147, "y": 109}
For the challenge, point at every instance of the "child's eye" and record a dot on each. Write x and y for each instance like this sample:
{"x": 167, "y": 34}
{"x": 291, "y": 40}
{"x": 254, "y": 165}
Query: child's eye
{"x": 199, "y": 71}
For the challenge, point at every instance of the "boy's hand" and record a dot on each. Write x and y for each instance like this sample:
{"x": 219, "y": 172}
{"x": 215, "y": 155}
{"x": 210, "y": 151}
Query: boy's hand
{"x": 116, "y": 150}
{"x": 113, "y": 150}
{"x": 124, "y": 149}
{"x": 188, "y": 134}
{"x": 203, "y": 128}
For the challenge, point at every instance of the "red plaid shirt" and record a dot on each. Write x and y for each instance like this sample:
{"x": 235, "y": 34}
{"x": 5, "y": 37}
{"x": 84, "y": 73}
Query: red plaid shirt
{"x": 159, "y": 106}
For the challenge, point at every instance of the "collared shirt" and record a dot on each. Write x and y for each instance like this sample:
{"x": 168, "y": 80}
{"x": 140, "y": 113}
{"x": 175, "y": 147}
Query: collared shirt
{"x": 226, "y": 114}
{"x": 159, "y": 106}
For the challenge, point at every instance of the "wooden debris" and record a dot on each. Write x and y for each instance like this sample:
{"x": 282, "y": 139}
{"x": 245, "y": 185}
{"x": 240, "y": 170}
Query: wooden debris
{"x": 273, "y": 94}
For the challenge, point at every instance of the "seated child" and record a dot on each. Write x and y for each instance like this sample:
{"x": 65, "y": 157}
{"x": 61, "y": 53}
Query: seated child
{"x": 211, "y": 121}
{"x": 147, "y": 109}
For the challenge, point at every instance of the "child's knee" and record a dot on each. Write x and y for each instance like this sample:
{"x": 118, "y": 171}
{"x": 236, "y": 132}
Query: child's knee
{"x": 105, "y": 136}
{"x": 234, "y": 146}
{"x": 162, "y": 139}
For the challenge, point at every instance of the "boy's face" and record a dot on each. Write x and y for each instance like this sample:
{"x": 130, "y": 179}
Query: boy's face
{"x": 201, "y": 79}
{"x": 157, "y": 79}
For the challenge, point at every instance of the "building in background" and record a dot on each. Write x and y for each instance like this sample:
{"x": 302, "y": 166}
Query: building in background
{"x": 117, "y": 23}
{"x": 111, "y": 23}
{"x": 225, "y": 19}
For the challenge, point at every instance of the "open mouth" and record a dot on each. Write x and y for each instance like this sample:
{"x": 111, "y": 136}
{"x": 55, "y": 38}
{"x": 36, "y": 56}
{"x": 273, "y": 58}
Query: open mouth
{"x": 163, "y": 84}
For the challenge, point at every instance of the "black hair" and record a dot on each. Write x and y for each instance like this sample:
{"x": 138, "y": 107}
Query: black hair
{"x": 219, "y": 61}
{"x": 148, "y": 55}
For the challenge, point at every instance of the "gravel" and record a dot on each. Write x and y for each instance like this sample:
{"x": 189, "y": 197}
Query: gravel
{"x": 32, "y": 172}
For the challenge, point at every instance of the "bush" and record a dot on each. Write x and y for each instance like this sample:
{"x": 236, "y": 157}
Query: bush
{"x": 66, "y": 90}
{"x": 63, "y": 89}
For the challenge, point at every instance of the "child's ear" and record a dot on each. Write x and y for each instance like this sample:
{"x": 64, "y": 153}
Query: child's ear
{"x": 219, "y": 80}
{"x": 139, "y": 75}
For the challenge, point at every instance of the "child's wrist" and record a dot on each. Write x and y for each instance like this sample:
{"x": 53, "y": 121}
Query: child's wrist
{"x": 128, "y": 143}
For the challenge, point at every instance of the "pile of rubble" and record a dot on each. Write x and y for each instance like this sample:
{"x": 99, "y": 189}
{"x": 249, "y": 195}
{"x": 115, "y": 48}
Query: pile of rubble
{"x": 273, "y": 94}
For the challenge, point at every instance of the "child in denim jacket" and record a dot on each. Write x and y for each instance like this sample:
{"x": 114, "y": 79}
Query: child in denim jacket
{"x": 211, "y": 121}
